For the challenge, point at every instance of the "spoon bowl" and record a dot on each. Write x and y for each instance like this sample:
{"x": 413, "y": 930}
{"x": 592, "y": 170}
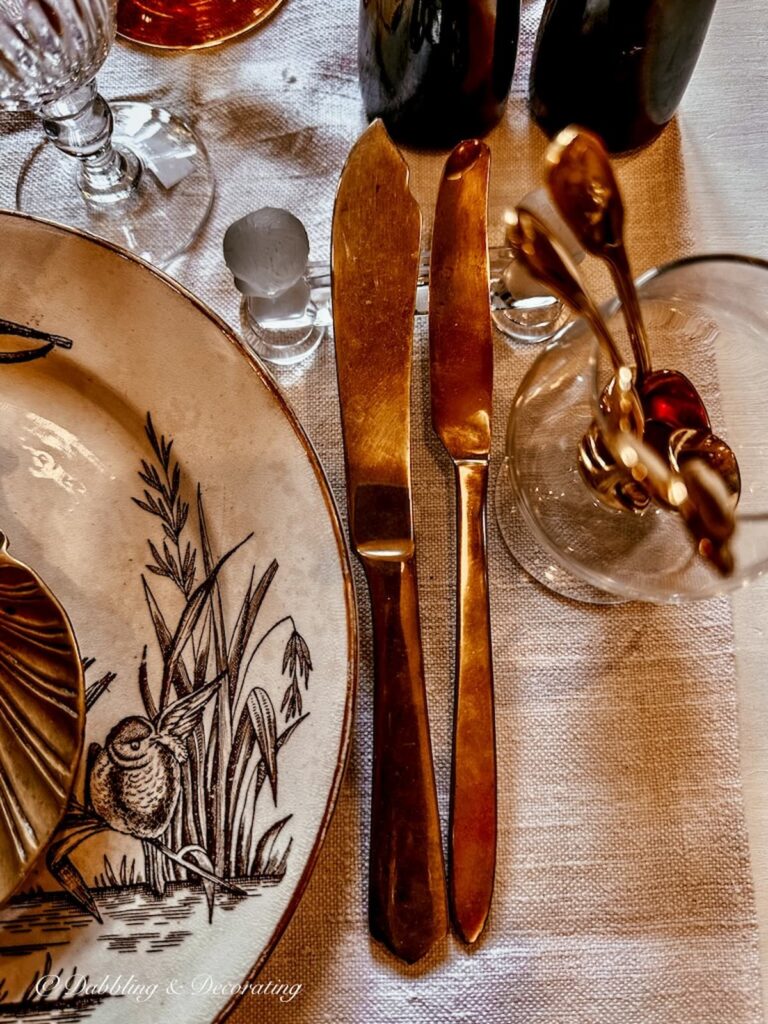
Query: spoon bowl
{"x": 685, "y": 445}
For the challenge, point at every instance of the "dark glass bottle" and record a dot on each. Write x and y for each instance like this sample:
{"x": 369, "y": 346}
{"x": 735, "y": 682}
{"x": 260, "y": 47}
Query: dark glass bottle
{"x": 618, "y": 67}
{"x": 437, "y": 71}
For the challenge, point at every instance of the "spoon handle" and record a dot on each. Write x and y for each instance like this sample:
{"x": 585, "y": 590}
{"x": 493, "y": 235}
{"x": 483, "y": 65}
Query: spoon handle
{"x": 586, "y": 192}
{"x": 630, "y": 305}
{"x": 540, "y": 255}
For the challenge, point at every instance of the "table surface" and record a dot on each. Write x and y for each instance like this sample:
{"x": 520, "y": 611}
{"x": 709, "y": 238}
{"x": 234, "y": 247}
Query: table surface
{"x": 718, "y": 150}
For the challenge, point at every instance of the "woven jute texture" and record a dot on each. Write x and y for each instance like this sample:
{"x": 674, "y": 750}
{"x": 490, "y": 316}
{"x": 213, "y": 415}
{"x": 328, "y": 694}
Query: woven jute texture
{"x": 623, "y": 891}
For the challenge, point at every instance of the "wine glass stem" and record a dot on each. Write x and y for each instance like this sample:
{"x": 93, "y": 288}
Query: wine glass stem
{"x": 80, "y": 125}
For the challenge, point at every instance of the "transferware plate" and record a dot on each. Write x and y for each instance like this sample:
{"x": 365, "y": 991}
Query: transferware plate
{"x": 160, "y": 485}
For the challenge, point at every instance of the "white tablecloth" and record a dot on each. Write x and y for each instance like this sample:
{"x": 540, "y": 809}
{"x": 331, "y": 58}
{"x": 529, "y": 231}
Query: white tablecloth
{"x": 624, "y": 887}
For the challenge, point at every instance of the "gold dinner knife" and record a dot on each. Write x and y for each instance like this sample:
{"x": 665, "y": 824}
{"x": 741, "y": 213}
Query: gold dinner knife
{"x": 461, "y": 378}
{"x": 375, "y": 261}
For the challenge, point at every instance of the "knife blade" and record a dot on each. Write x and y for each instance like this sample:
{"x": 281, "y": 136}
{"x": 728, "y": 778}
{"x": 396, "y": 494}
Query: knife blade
{"x": 461, "y": 382}
{"x": 374, "y": 259}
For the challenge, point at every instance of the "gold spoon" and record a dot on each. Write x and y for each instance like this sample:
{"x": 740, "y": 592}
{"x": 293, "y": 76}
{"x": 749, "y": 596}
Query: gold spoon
{"x": 585, "y": 191}
{"x": 685, "y": 445}
{"x": 696, "y": 491}
{"x": 620, "y": 403}
{"x": 622, "y": 470}
{"x": 549, "y": 262}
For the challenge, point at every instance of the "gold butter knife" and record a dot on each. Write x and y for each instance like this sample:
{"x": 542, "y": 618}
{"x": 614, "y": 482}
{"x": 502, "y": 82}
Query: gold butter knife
{"x": 461, "y": 379}
{"x": 375, "y": 260}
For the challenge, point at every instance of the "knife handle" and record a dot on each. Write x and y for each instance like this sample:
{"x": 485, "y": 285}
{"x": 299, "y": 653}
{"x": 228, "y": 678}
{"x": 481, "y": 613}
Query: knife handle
{"x": 472, "y": 828}
{"x": 407, "y": 899}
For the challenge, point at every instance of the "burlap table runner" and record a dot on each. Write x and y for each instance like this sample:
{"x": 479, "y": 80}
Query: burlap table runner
{"x": 623, "y": 887}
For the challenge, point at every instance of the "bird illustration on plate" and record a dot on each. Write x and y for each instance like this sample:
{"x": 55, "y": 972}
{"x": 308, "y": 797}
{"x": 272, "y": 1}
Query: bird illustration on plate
{"x": 134, "y": 780}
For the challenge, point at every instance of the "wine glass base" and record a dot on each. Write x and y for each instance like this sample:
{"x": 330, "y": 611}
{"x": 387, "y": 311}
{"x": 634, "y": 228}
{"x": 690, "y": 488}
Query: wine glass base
{"x": 527, "y": 552}
{"x": 162, "y": 218}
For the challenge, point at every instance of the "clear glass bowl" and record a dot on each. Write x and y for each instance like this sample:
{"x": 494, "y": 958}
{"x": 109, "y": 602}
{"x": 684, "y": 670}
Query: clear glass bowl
{"x": 706, "y": 316}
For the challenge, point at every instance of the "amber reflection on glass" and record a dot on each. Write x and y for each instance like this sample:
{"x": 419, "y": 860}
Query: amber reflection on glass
{"x": 189, "y": 23}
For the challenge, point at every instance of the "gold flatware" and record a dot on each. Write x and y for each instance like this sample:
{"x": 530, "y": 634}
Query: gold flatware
{"x": 584, "y": 188}
{"x": 684, "y": 445}
{"x": 677, "y": 426}
{"x": 622, "y": 470}
{"x": 620, "y": 402}
{"x": 547, "y": 261}
{"x": 696, "y": 491}
{"x": 585, "y": 191}
{"x": 461, "y": 380}
{"x": 375, "y": 261}
{"x": 42, "y": 717}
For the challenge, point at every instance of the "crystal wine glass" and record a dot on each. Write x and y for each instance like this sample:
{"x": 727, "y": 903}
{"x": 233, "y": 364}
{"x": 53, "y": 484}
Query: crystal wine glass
{"x": 131, "y": 173}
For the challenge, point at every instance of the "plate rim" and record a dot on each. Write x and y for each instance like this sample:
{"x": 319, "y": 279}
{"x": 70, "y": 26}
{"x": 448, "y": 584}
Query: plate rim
{"x": 342, "y": 544}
